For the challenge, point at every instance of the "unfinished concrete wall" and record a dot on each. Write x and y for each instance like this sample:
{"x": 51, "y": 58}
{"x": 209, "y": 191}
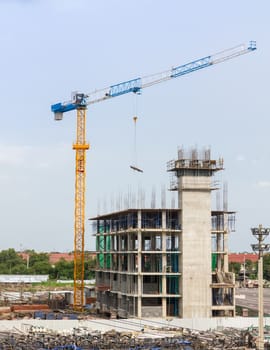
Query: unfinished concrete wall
{"x": 152, "y": 311}
{"x": 195, "y": 201}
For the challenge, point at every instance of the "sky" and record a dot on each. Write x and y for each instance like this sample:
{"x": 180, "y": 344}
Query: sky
{"x": 50, "y": 48}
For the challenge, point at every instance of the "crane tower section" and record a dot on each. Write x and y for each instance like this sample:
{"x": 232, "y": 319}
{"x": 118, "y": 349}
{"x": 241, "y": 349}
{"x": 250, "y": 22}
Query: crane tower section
{"x": 80, "y": 148}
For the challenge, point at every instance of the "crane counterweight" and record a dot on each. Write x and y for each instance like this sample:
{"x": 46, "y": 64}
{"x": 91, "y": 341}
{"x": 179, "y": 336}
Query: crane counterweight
{"x": 58, "y": 116}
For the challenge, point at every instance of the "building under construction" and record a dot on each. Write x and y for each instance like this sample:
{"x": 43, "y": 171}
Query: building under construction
{"x": 169, "y": 262}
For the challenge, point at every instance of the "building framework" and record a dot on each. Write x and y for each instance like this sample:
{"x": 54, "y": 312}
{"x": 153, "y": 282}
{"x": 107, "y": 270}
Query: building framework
{"x": 168, "y": 262}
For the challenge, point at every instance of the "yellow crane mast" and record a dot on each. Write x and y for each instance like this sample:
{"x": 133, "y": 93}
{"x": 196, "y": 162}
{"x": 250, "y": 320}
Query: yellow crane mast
{"x": 80, "y": 147}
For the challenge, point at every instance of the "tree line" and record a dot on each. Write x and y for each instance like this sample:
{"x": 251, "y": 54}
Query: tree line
{"x": 251, "y": 269}
{"x": 12, "y": 262}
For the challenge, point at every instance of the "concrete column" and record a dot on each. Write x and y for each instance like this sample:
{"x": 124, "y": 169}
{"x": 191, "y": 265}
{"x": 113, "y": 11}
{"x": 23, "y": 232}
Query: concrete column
{"x": 163, "y": 242}
{"x": 195, "y": 194}
{"x": 164, "y": 271}
{"x": 164, "y": 264}
{"x": 129, "y": 265}
{"x": 219, "y": 256}
{"x": 164, "y": 307}
{"x": 139, "y": 310}
{"x": 225, "y": 238}
{"x": 180, "y": 264}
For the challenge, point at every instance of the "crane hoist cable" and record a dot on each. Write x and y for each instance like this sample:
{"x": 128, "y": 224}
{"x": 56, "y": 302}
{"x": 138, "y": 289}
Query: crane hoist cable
{"x": 134, "y": 166}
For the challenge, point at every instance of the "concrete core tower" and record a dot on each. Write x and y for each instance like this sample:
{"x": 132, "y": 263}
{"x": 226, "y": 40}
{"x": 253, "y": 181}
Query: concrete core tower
{"x": 194, "y": 186}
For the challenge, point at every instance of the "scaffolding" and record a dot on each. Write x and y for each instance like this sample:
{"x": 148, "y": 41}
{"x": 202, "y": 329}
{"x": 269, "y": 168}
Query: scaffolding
{"x": 138, "y": 272}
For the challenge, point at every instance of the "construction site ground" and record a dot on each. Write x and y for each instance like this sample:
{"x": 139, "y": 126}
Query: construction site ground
{"x": 87, "y": 331}
{"x": 131, "y": 334}
{"x": 248, "y": 298}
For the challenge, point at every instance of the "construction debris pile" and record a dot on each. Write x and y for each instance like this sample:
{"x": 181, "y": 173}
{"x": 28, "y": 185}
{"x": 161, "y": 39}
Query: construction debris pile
{"x": 36, "y": 311}
{"x": 39, "y": 338}
{"x": 82, "y": 339}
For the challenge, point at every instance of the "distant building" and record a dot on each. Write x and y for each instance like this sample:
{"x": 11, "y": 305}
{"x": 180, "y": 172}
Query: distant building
{"x": 242, "y": 257}
{"x": 245, "y": 270}
{"x": 55, "y": 257}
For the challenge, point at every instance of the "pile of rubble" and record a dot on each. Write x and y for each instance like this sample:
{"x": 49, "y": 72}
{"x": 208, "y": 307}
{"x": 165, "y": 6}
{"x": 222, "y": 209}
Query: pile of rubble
{"x": 228, "y": 338}
{"x": 39, "y": 338}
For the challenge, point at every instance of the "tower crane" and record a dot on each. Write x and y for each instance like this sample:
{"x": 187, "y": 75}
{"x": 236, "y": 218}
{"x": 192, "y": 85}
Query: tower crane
{"x": 80, "y": 101}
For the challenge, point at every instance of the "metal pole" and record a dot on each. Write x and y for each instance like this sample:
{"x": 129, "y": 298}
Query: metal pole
{"x": 260, "y": 303}
{"x": 244, "y": 271}
{"x": 260, "y": 233}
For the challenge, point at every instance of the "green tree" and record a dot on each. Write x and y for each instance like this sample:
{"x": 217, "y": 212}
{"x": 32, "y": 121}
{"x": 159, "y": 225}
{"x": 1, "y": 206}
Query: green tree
{"x": 251, "y": 269}
{"x": 39, "y": 263}
{"x": 89, "y": 269}
{"x": 266, "y": 267}
{"x": 62, "y": 270}
{"x": 11, "y": 262}
{"x": 20, "y": 269}
{"x": 65, "y": 269}
{"x": 4, "y": 269}
{"x": 235, "y": 267}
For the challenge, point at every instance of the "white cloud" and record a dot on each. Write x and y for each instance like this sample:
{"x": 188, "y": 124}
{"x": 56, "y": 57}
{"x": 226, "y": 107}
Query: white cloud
{"x": 43, "y": 165}
{"x": 13, "y": 155}
{"x": 67, "y": 5}
{"x": 263, "y": 184}
{"x": 240, "y": 158}
{"x": 33, "y": 156}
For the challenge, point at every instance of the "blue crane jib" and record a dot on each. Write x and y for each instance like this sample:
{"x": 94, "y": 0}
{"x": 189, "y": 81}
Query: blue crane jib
{"x": 208, "y": 61}
{"x": 191, "y": 67}
{"x": 133, "y": 85}
{"x": 252, "y": 45}
{"x": 136, "y": 85}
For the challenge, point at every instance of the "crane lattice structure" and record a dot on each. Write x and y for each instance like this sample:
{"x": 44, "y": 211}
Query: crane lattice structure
{"x": 80, "y": 101}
